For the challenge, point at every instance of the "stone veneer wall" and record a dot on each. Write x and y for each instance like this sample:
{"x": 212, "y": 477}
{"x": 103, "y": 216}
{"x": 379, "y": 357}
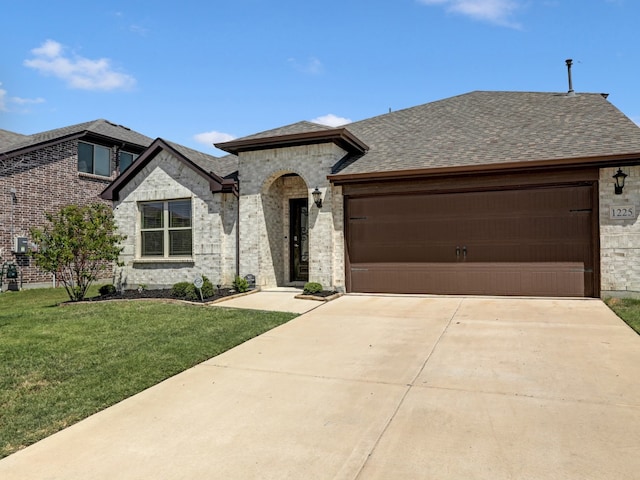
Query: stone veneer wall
{"x": 264, "y": 211}
{"x": 45, "y": 180}
{"x": 619, "y": 239}
{"x": 214, "y": 223}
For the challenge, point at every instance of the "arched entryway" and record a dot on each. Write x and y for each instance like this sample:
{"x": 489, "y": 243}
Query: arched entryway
{"x": 284, "y": 258}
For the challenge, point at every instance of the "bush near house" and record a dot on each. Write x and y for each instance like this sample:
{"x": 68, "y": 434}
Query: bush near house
{"x": 311, "y": 288}
{"x": 188, "y": 291}
{"x": 240, "y": 284}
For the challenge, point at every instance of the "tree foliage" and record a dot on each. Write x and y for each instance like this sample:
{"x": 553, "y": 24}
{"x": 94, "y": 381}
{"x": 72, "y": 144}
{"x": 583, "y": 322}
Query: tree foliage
{"x": 78, "y": 244}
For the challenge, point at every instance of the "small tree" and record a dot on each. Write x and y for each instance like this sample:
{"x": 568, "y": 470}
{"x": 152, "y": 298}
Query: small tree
{"x": 80, "y": 243}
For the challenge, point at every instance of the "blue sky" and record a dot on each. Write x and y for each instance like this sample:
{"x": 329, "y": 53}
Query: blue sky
{"x": 195, "y": 72}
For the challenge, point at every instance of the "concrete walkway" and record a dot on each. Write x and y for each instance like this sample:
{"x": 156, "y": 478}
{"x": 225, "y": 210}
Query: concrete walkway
{"x": 382, "y": 387}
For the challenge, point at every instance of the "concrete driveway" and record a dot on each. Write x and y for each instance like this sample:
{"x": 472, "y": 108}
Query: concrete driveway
{"x": 382, "y": 387}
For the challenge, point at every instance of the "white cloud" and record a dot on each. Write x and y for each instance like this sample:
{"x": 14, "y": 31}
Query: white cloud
{"x": 209, "y": 138}
{"x": 499, "y": 12}
{"x": 3, "y": 96}
{"x": 6, "y": 101}
{"x": 331, "y": 120}
{"x": 78, "y": 72}
{"x": 312, "y": 66}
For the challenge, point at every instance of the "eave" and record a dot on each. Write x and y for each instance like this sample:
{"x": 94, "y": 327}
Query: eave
{"x": 617, "y": 160}
{"x": 339, "y": 136}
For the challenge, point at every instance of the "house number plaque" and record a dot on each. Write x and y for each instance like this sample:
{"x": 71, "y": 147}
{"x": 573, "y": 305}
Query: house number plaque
{"x": 622, "y": 212}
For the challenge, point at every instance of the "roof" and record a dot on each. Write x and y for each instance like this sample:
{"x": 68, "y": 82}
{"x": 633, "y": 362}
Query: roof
{"x": 480, "y": 130}
{"x": 219, "y": 172}
{"x": 97, "y": 128}
{"x": 491, "y": 128}
{"x": 7, "y": 138}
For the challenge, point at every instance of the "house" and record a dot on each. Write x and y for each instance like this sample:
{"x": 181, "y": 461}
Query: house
{"x": 43, "y": 172}
{"x": 487, "y": 193}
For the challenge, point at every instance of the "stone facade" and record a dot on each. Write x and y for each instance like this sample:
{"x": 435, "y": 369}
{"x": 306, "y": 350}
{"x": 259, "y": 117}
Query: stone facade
{"x": 44, "y": 181}
{"x": 214, "y": 224}
{"x": 268, "y": 180}
{"x": 619, "y": 238}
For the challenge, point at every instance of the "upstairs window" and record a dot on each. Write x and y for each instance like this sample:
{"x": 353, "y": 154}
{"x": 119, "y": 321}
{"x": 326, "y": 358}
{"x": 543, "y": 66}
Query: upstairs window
{"x": 126, "y": 159}
{"x": 165, "y": 229}
{"x": 94, "y": 159}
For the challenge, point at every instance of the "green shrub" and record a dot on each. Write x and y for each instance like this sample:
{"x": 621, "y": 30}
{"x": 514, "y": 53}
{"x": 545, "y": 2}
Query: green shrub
{"x": 188, "y": 291}
{"x": 180, "y": 289}
{"x": 312, "y": 287}
{"x": 107, "y": 290}
{"x": 240, "y": 284}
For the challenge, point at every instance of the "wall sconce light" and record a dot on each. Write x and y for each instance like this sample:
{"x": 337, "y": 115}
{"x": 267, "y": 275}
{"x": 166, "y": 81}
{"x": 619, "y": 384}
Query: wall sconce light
{"x": 619, "y": 177}
{"x": 317, "y": 197}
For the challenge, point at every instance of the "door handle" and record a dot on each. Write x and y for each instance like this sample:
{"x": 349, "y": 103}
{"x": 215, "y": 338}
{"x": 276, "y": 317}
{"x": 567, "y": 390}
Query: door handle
{"x": 457, "y": 252}
{"x": 464, "y": 252}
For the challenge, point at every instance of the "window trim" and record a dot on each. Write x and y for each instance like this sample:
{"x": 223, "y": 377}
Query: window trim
{"x": 93, "y": 159}
{"x": 166, "y": 229}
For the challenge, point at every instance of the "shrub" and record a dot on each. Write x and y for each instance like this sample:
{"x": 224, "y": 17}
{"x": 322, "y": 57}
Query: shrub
{"x": 188, "y": 291}
{"x": 312, "y": 287}
{"x": 107, "y": 290}
{"x": 240, "y": 284}
{"x": 180, "y": 289}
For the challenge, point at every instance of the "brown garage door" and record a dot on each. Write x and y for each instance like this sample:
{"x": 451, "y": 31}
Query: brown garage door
{"x": 536, "y": 241}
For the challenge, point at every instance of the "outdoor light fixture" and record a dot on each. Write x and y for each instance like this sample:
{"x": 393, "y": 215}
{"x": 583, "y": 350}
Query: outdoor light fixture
{"x": 619, "y": 177}
{"x": 317, "y": 197}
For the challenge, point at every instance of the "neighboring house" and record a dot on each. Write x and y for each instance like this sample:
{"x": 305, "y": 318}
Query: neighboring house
{"x": 43, "y": 172}
{"x": 489, "y": 193}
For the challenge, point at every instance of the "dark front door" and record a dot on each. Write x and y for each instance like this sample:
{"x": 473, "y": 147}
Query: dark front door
{"x": 299, "y": 240}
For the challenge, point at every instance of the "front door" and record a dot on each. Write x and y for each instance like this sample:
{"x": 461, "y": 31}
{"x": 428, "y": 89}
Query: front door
{"x": 299, "y": 240}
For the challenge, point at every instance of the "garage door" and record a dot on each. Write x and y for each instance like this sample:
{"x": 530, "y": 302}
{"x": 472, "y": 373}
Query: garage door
{"x": 537, "y": 241}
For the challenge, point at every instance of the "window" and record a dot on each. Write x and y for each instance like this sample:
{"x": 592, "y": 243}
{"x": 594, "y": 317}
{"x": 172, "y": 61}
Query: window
{"x": 166, "y": 229}
{"x": 94, "y": 159}
{"x": 126, "y": 159}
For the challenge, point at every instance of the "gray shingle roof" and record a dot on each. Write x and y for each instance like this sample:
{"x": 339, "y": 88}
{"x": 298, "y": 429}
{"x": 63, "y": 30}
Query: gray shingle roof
{"x": 98, "y": 127}
{"x": 299, "y": 127}
{"x": 221, "y": 166}
{"x": 8, "y": 138}
{"x": 483, "y": 128}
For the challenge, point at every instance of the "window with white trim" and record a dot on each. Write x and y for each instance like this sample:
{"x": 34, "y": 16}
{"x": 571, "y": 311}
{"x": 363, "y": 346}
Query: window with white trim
{"x": 126, "y": 159}
{"x": 165, "y": 229}
{"x": 94, "y": 159}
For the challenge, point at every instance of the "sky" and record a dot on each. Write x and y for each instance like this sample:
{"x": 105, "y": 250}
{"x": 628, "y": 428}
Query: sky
{"x": 199, "y": 72}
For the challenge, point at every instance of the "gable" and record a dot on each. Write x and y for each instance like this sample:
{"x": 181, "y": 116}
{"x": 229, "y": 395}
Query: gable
{"x": 198, "y": 164}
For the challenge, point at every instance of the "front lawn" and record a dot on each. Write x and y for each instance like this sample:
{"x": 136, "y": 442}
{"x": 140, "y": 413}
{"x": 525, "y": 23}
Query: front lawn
{"x": 60, "y": 364}
{"x": 628, "y": 309}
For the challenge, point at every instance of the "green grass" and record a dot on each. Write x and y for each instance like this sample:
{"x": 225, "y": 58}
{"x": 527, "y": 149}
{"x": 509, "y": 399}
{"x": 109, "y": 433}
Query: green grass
{"x": 60, "y": 364}
{"x": 628, "y": 309}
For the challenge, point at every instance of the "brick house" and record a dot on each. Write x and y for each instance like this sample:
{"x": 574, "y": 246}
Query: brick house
{"x": 43, "y": 172}
{"x": 489, "y": 193}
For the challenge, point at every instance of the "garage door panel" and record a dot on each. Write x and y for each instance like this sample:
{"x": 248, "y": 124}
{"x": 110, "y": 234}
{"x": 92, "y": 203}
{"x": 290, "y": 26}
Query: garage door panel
{"x": 517, "y": 242}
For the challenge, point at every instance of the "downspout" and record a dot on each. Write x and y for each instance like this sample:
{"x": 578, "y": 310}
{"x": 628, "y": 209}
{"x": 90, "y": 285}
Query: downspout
{"x": 237, "y": 194}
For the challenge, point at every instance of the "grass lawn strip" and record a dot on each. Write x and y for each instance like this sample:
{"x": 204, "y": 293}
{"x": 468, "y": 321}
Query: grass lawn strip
{"x": 60, "y": 365}
{"x": 628, "y": 309}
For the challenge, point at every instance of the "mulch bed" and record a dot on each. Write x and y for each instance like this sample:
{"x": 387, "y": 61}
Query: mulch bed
{"x": 157, "y": 294}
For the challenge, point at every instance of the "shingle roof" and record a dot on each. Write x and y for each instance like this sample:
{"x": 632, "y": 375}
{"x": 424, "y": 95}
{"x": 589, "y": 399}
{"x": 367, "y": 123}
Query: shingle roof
{"x": 98, "y": 127}
{"x": 222, "y": 166}
{"x": 483, "y": 128}
{"x": 294, "y": 128}
{"x": 8, "y": 138}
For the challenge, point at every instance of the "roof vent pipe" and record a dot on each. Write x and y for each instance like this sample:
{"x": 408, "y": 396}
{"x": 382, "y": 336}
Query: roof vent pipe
{"x": 569, "y": 62}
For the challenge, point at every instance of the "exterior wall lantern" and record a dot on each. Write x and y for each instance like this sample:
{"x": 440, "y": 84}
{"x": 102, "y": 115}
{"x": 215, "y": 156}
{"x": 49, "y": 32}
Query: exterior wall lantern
{"x": 619, "y": 177}
{"x": 317, "y": 197}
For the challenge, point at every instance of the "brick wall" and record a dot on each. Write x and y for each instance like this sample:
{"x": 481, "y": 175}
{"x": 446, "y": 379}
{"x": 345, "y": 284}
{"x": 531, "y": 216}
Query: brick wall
{"x": 619, "y": 239}
{"x": 264, "y": 212}
{"x": 44, "y": 181}
{"x": 214, "y": 223}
